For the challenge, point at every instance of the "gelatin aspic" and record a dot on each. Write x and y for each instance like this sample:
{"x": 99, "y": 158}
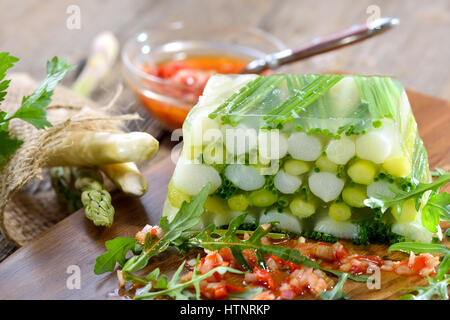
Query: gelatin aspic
{"x": 309, "y": 151}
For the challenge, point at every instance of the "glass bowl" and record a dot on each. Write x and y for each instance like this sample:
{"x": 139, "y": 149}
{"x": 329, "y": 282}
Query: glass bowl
{"x": 170, "y": 102}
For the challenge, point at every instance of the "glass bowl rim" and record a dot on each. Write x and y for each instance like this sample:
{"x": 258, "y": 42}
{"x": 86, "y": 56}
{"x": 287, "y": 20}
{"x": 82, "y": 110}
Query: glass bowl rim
{"x": 129, "y": 65}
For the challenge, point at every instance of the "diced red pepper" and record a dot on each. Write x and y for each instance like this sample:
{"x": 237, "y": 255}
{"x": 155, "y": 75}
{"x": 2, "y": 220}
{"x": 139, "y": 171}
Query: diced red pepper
{"x": 265, "y": 278}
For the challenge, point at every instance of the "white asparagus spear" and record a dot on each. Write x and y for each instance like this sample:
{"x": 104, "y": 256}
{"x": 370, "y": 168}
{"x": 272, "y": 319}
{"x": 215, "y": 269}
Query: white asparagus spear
{"x": 126, "y": 177}
{"x": 103, "y": 55}
{"x": 89, "y": 148}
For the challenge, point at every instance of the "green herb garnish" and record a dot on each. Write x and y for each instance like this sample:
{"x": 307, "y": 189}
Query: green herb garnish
{"x": 373, "y": 229}
{"x": 436, "y": 207}
{"x": 186, "y": 218}
{"x": 435, "y": 288}
{"x": 247, "y": 294}
{"x": 302, "y": 99}
{"x": 176, "y": 289}
{"x": 32, "y": 108}
{"x": 336, "y": 293}
{"x": 117, "y": 249}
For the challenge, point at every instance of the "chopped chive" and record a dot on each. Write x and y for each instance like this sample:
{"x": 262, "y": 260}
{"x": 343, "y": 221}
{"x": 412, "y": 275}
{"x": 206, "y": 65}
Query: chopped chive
{"x": 245, "y": 90}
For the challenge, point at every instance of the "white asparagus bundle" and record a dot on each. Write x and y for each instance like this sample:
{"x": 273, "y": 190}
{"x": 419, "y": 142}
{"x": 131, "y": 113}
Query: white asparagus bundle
{"x": 103, "y": 55}
{"x": 125, "y": 176}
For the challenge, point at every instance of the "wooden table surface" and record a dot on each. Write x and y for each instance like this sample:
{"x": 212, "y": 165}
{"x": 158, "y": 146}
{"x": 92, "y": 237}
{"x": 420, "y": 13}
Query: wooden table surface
{"x": 416, "y": 52}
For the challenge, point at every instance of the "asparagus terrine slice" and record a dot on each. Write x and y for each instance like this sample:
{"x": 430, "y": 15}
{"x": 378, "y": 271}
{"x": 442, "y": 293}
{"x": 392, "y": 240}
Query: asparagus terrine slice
{"x": 306, "y": 151}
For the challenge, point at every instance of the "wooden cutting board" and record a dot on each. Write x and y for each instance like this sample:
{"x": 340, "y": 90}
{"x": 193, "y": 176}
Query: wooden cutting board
{"x": 40, "y": 269}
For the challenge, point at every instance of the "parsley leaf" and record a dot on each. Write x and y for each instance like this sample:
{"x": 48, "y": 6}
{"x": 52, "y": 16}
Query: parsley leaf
{"x": 336, "y": 293}
{"x": 8, "y": 145}
{"x": 32, "y": 109}
{"x": 117, "y": 250}
{"x": 6, "y": 62}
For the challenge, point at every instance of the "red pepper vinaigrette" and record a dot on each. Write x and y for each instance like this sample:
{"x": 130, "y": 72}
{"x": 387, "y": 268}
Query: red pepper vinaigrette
{"x": 182, "y": 83}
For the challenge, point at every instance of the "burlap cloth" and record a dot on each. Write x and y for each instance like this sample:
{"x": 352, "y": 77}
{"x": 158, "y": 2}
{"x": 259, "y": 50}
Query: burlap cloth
{"x": 26, "y": 207}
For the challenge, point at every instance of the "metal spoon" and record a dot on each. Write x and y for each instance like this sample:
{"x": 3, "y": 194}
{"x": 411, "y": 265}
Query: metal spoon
{"x": 322, "y": 44}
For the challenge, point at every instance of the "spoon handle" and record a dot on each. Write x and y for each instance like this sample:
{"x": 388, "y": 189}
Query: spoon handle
{"x": 322, "y": 44}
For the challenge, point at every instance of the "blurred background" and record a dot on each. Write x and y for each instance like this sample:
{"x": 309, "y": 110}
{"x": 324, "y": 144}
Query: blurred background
{"x": 417, "y": 52}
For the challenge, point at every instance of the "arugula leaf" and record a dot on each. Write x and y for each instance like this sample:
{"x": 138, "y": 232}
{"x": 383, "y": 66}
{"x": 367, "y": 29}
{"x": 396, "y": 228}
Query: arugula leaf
{"x": 400, "y": 196}
{"x": 6, "y": 62}
{"x": 336, "y": 293}
{"x": 248, "y": 294}
{"x": 187, "y": 217}
{"x": 436, "y": 208}
{"x": 444, "y": 267}
{"x": 117, "y": 250}
{"x": 436, "y": 288}
{"x": 211, "y": 240}
{"x": 32, "y": 109}
{"x": 418, "y": 247}
{"x": 151, "y": 280}
{"x": 177, "y": 290}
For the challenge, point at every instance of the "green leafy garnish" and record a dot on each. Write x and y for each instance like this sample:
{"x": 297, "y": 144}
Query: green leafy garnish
{"x": 186, "y": 218}
{"x": 435, "y": 288}
{"x": 32, "y": 109}
{"x": 178, "y": 290}
{"x": 247, "y": 294}
{"x": 438, "y": 206}
{"x": 418, "y": 247}
{"x": 211, "y": 240}
{"x": 436, "y": 209}
{"x": 117, "y": 250}
{"x": 336, "y": 293}
{"x": 6, "y": 62}
{"x": 8, "y": 145}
